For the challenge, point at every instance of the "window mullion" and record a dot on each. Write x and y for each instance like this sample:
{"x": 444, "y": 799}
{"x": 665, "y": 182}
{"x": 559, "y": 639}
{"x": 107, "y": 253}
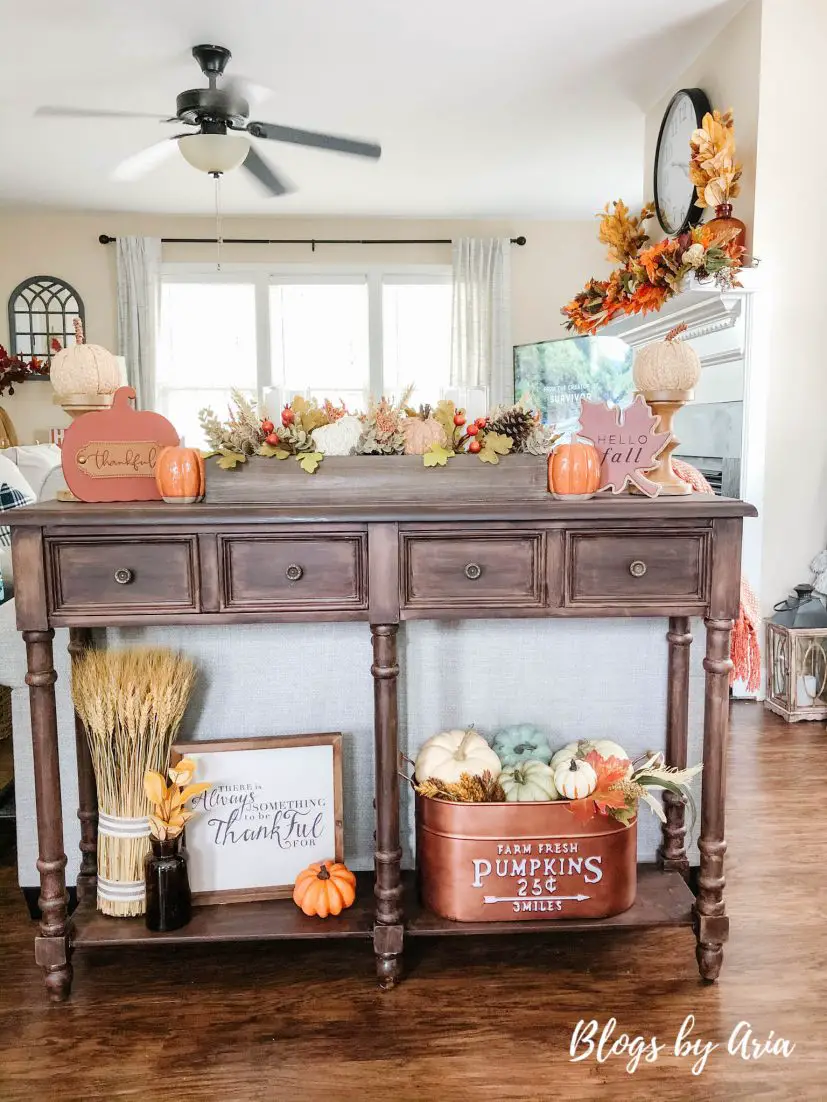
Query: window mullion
{"x": 375, "y": 334}
{"x": 263, "y": 354}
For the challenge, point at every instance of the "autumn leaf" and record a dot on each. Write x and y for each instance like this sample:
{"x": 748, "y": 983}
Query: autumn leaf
{"x": 494, "y": 445}
{"x": 154, "y": 787}
{"x": 622, "y": 463}
{"x": 583, "y": 810}
{"x": 437, "y": 456}
{"x": 309, "y": 461}
{"x": 444, "y": 414}
{"x": 227, "y": 460}
{"x": 269, "y": 450}
{"x": 183, "y": 794}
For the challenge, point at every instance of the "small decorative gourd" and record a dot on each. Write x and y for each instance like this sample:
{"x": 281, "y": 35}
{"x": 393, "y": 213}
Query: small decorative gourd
{"x": 179, "y": 475}
{"x": 522, "y": 742}
{"x": 421, "y": 431}
{"x": 532, "y": 781}
{"x": 574, "y": 470}
{"x": 668, "y": 365}
{"x": 575, "y": 779}
{"x": 338, "y": 438}
{"x": 446, "y": 756}
{"x": 604, "y": 747}
{"x": 324, "y": 889}
{"x": 82, "y": 368}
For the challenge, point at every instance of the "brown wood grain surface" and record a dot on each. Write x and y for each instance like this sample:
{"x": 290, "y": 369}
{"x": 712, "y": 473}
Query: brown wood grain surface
{"x": 487, "y": 1019}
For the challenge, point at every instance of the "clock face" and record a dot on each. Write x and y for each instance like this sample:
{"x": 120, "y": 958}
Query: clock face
{"x": 674, "y": 192}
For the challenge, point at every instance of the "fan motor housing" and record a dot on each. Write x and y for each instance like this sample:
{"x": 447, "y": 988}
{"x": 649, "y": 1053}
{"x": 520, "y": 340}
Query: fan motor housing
{"x": 198, "y": 104}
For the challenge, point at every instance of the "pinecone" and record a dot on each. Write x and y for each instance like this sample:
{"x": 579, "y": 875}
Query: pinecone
{"x": 513, "y": 421}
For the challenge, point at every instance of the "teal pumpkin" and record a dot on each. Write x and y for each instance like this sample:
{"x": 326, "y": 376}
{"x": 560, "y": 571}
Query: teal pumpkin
{"x": 520, "y": 743}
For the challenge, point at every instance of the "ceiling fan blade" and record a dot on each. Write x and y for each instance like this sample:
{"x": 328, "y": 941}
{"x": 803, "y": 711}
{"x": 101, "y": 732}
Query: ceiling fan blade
{"x": 258, "y": 167}
{"x": 95, "y": 113}
{"x": 249, "y": 90}
{"x": 310, "y": 137}
{"x": 139, "y": 164}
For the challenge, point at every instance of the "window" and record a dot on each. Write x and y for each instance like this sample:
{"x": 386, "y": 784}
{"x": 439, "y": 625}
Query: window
{"x": 338, "y": 334}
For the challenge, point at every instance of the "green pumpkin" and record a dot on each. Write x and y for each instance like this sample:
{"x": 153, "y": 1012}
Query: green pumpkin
{"x": 522, "y": 742}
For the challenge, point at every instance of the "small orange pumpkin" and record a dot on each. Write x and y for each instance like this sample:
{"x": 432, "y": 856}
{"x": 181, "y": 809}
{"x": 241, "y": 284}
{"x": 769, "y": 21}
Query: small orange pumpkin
{"x": 324, "y": 889}
{"x": 574, "y": 470}
{"x": 179, "y": 475}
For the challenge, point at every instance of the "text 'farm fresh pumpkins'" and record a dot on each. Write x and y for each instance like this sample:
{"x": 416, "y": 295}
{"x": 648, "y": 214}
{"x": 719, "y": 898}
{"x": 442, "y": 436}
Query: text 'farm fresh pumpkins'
{"x": 448, "y": 755}
{"x": 574, "y": 471}
{"x": 324, "y": 889}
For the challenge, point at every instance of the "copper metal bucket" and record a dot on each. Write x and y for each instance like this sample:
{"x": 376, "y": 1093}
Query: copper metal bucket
{"x": 522, "y": 861}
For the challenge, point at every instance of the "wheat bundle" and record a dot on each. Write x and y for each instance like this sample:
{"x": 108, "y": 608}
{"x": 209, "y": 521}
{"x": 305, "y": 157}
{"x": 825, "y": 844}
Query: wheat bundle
{"x": 131, "y": 703}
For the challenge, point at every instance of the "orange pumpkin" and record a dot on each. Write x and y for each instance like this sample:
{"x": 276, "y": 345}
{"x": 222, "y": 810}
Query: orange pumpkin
{"x": 179, "y": 475}
{"x": 325, "y": 889}
{"x": 574, "y": 470}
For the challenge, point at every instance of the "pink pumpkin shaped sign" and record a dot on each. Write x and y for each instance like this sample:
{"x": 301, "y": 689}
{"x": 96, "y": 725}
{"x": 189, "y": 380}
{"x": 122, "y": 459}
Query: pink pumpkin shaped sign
{"x": 110, "y": 455}
{"x": 626, "y": 441}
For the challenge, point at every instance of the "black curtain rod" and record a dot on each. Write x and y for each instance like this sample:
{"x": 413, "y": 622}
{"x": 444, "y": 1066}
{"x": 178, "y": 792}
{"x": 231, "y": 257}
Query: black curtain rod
{"x": 105, "y": 239}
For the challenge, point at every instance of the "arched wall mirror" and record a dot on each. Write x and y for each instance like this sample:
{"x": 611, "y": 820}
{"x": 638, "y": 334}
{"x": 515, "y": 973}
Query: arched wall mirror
{"x": 42, "y": 309}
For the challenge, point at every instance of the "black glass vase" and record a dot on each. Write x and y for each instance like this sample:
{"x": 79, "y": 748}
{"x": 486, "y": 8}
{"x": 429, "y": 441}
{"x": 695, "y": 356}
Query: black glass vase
{"x": 168, "y": 897}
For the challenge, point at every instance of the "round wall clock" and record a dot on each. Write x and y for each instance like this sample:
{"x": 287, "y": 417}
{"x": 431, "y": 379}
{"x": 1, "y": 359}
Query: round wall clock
{"x": 674, "y": 191}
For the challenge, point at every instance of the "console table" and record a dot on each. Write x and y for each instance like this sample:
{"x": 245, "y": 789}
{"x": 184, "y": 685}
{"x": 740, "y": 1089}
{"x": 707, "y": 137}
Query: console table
{"x": 84, "y": 566}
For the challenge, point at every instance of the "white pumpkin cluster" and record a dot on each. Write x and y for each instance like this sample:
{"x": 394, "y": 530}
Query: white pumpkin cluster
{"x": 521, "y": 758}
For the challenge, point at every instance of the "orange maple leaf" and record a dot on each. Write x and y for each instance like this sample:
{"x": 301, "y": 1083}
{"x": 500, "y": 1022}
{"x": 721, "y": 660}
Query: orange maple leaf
{"x": 607, "y": 795}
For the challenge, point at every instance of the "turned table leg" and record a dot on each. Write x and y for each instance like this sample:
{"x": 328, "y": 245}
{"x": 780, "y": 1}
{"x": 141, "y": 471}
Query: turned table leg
{"x": 52, "y": 947}
{"x": 672, "y": 850}
{"x": 387, "y": 933}
{"x": 712, "y": 924}
{"x": 79, "y": 640}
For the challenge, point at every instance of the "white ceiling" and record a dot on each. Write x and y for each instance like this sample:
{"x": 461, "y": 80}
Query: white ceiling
{"x": 484, "y": 108}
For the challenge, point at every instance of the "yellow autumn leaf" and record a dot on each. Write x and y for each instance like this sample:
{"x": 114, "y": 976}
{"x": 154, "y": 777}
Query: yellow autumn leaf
{"x": 182, "y": 772}
{"x": 309, "y": 461}
{"x": 154, "y": 787}
{"x": 183, "y": 794}
{"x": 437, "y": 456}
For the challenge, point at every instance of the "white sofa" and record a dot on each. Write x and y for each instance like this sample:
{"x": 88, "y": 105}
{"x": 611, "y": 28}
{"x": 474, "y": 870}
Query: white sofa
{"x": 577, "y": 678}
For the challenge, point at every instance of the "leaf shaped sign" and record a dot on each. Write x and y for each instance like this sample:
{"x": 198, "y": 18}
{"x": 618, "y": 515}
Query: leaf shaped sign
{"x": 626, "y": 441}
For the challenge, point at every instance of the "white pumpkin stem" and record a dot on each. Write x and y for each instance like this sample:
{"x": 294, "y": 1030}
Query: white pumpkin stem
{"x": 676, "y": 332}
{"x": 79, "y": 337}
{"x": 460, "y": 754}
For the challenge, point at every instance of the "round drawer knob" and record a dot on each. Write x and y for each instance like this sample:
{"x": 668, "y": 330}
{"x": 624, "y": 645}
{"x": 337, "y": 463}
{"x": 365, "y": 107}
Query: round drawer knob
{"x": 293, "y": 572}
{"x": 123, "y": 576}
{"x": 472, "y": 571}
{"x": 637, "y": 568}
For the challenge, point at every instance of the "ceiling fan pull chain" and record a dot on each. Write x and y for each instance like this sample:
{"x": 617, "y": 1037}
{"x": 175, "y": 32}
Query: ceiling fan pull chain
{"x": 218, "y": 221}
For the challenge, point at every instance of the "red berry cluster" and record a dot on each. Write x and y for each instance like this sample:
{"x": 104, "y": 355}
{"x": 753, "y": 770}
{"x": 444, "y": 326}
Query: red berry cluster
{"x": 471, "y": 431}
{"x": 269, "y": 429}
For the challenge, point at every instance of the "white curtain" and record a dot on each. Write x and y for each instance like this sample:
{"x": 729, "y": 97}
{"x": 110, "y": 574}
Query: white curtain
{"x": 481, "y": 353}
{"x": 139, "y": 296}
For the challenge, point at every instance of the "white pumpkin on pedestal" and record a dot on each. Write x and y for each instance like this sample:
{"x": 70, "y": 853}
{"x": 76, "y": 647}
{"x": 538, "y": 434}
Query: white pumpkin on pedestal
{"x": 84, "y": 372}
{"x": 667, "y": 366}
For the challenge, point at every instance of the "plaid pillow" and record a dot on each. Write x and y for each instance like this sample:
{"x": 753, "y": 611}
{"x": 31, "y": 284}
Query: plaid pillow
{"x": 11, "y": 498}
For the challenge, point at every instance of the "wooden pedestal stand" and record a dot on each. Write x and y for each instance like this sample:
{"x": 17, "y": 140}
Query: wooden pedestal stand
{"x": 665, "y": 404}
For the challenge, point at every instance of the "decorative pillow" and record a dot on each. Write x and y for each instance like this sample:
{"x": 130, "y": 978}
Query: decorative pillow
{"x": 35, "y": 462}
{"x": 12, "y": 498}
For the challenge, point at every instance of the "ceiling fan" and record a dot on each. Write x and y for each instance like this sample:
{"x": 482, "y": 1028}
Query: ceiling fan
{"x": 221, "y": 140}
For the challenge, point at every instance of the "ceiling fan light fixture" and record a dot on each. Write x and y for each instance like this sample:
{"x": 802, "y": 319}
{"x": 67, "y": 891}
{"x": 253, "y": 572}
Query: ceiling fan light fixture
{"x": 214, "y": 152}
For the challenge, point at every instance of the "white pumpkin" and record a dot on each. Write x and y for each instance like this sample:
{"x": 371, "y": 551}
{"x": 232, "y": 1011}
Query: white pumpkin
{"x": 338, "y": 438}
{"x": 531, "y": 781}
{"x": 575, "y": 779}
{"x": 450, "y": 754}
{"x": 604, "y": 747}
{"x": 666, "y": 365}
{"x": 84, "y": 368}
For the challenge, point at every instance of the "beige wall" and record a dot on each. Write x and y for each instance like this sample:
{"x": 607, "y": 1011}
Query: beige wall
{"x": 546, "y": 272}
{"x": 728, "y": 71}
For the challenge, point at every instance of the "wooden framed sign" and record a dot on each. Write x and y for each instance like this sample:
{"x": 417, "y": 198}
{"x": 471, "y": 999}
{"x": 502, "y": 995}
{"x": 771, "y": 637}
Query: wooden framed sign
{"x": 274, "y": 807}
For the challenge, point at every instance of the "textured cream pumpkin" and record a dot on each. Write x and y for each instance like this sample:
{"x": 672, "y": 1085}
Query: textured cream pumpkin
{"x": 420, "y": 432}
{"x": 338, "y": 438}
{"x": 450, "y": 754}
{"x": 575, "y": 779}
{"x": 666, "y": 365}
{"x": 84, "y": 368}
{"x": 531, "y": 781}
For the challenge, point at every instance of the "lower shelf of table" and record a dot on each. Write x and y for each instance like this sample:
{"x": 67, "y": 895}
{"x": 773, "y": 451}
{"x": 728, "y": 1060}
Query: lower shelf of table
{"x": 663, "y": 899}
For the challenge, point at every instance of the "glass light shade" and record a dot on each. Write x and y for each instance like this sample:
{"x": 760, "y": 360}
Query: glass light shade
{"x": 214, "y": 152}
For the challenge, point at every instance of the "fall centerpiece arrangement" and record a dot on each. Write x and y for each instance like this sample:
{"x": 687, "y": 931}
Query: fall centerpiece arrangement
{"x": 168, "y": 896}
{"x": 715, "y": 173}
{"x": 309, "y": 431}
{"x": 512, "y": 830}
{"x": 131, "y": 703}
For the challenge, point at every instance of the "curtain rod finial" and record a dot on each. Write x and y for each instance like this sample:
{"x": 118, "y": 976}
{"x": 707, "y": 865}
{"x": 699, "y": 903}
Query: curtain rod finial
{"x": 518, "y": 240}
{"x": 105, "y": 239}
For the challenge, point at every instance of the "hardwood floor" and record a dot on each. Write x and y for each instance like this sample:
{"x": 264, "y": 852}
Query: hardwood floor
{"x": 475, "y": 1018}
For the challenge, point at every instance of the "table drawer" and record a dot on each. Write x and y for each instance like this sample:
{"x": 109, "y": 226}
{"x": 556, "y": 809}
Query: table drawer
{"x": 476, "y": 571}
{"x": 293, "y": 572}
{"x": 122, "y": 575}
{"x": 637, "y": 568}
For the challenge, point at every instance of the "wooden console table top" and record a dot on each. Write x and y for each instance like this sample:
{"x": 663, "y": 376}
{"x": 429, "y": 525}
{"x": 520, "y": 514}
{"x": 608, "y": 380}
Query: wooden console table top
{"x": 82, "y": 565}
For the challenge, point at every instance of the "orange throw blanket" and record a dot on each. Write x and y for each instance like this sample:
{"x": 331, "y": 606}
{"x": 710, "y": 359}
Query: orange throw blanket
{"x": 746, "y": 649}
